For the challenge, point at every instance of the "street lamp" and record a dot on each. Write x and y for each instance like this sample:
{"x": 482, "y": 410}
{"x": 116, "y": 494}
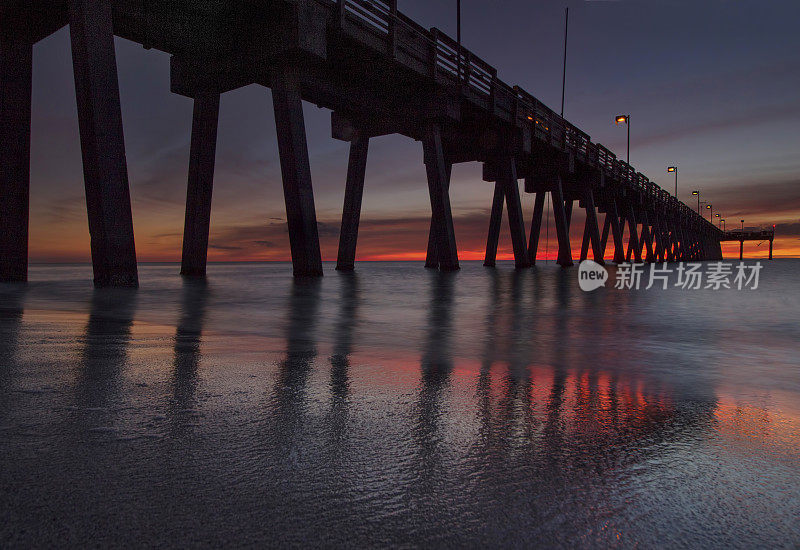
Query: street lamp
{"x": 718, "y": 221}
{"x": 723, "y": 224}
{"x": 710, "y": 214}
{"x": 674, "y": 169}
{"x": 742, "y": 227}
{"x": 619, "y": 119}
{"x": 697, "y": 194}
{"x": 458, "y": 38}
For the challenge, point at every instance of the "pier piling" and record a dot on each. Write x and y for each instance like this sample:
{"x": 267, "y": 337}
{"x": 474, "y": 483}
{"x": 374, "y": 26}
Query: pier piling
{"x": 16, "y": 63}
{"x": 200, "y": 185}
{"x": 105, "y": 167}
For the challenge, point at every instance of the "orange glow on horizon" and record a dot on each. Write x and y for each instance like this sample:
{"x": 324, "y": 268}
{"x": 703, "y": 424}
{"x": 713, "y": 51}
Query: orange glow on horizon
{"x": 784, "y": 247}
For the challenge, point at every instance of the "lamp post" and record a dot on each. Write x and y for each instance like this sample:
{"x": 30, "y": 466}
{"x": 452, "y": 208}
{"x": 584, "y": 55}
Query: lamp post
{"x": 619, "y": 119}
{"x": 742, "y": 227}
{"x": 564, "y": 73}
{"x": 674, "y": 169}
{"x": 710, "y": 214}
{"x": 697, "y": 194}
{"x": 723, "y": 224}
{"x": 458, "y": 37}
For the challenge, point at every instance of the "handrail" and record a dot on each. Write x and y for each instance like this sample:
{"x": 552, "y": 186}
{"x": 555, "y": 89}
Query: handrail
{"x": 470, "y": 71}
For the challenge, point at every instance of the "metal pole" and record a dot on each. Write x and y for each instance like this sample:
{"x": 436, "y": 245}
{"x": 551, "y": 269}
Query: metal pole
{"x": 676, "y": 183}
{"x": 458, "y": 36}
{"x": 629, "y": 139}
{"x": 564, "y": 74}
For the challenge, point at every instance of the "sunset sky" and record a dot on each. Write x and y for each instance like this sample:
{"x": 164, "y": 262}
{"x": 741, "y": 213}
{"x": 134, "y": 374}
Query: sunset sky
{"x": 712, "y": 86}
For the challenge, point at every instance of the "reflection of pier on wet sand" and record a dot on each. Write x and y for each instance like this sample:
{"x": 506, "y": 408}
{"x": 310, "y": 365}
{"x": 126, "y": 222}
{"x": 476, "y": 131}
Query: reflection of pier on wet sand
{"x": 345, "y": 423}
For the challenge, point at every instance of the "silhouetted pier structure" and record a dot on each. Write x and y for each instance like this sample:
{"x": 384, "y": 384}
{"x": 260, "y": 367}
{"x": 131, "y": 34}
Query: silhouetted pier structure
{"x": 743, "y": 235}
{"x": 379, "y": 73}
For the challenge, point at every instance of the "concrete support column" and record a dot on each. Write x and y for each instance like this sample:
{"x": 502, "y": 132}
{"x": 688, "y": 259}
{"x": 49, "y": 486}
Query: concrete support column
{"x": 102, "y": 143}
{"x": 647, "y": 239}
{"x": 671, "y": 241}
{"x": 536, "y": 227}
{"x": 297, "y": 190}
{"x": 440, "y": 198}
{"x": 658, "y": 240}
{"x": 200, "y": 185}
{"x": 594, "y": 228}
{"x": 616, "y": 233}
{"x": 351, "y": 212}
{"x": 516, "y": 223}
{"x": 432, "y": 257}
{"x": 16, "y": 63}
{"x": 586, "y": 239}
{"x": 633, "y": 238}
{"x": 568, "y": 211}
{"x": 562, "y": 224}
{"x": 495, "y": 221}
{"x": 606, "y": 228}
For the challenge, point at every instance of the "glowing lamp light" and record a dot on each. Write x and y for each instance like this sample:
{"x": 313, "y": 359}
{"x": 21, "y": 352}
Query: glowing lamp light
{"x": 695, "y": 193}
{"x": 708, "y": 206}
{"x": 619, "y": 119}
{"x": 672, "y": 169}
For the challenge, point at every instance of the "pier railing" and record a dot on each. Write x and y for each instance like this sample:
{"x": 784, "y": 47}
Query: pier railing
{"x": 436, "y": 54}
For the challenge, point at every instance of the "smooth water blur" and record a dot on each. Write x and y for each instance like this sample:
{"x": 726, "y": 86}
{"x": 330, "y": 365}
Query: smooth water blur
{"x": 397, "y": 406}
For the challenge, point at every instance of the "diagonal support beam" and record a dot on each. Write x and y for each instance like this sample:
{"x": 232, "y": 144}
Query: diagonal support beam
{"x": 562, "y": 224}
{"x": 510, "y": 184}
{"x": 536, "y": 227}
{"x": 351, "y": 211}
{"x": 440, "y": 198}
{"x": 586, "y": 240}
{"x": 633, "y": 238}
{"x": 495, "y": 221}
{"x": 105, "y": 169}
{"x": 647, "y": 239}
{"x": 616, "y": 232}
{"x": 592, "y": 229}
{"x": 568, "y": 211}
{"x": 606, "y": 229}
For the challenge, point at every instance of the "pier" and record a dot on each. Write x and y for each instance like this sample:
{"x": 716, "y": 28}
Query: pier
{"x": 379, "y": 73}
{"x": 743, "y": 235}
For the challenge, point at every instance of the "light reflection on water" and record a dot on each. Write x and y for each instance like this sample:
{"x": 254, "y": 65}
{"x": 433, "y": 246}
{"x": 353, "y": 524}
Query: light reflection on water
{"x": 397, "y": 406}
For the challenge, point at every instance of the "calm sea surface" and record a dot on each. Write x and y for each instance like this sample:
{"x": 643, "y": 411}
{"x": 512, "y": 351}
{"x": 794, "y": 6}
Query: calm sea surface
{"x": 398, "y": 406}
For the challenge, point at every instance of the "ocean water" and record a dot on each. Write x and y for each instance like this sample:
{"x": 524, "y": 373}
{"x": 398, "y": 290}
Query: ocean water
{"x": 398, "y": 406}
